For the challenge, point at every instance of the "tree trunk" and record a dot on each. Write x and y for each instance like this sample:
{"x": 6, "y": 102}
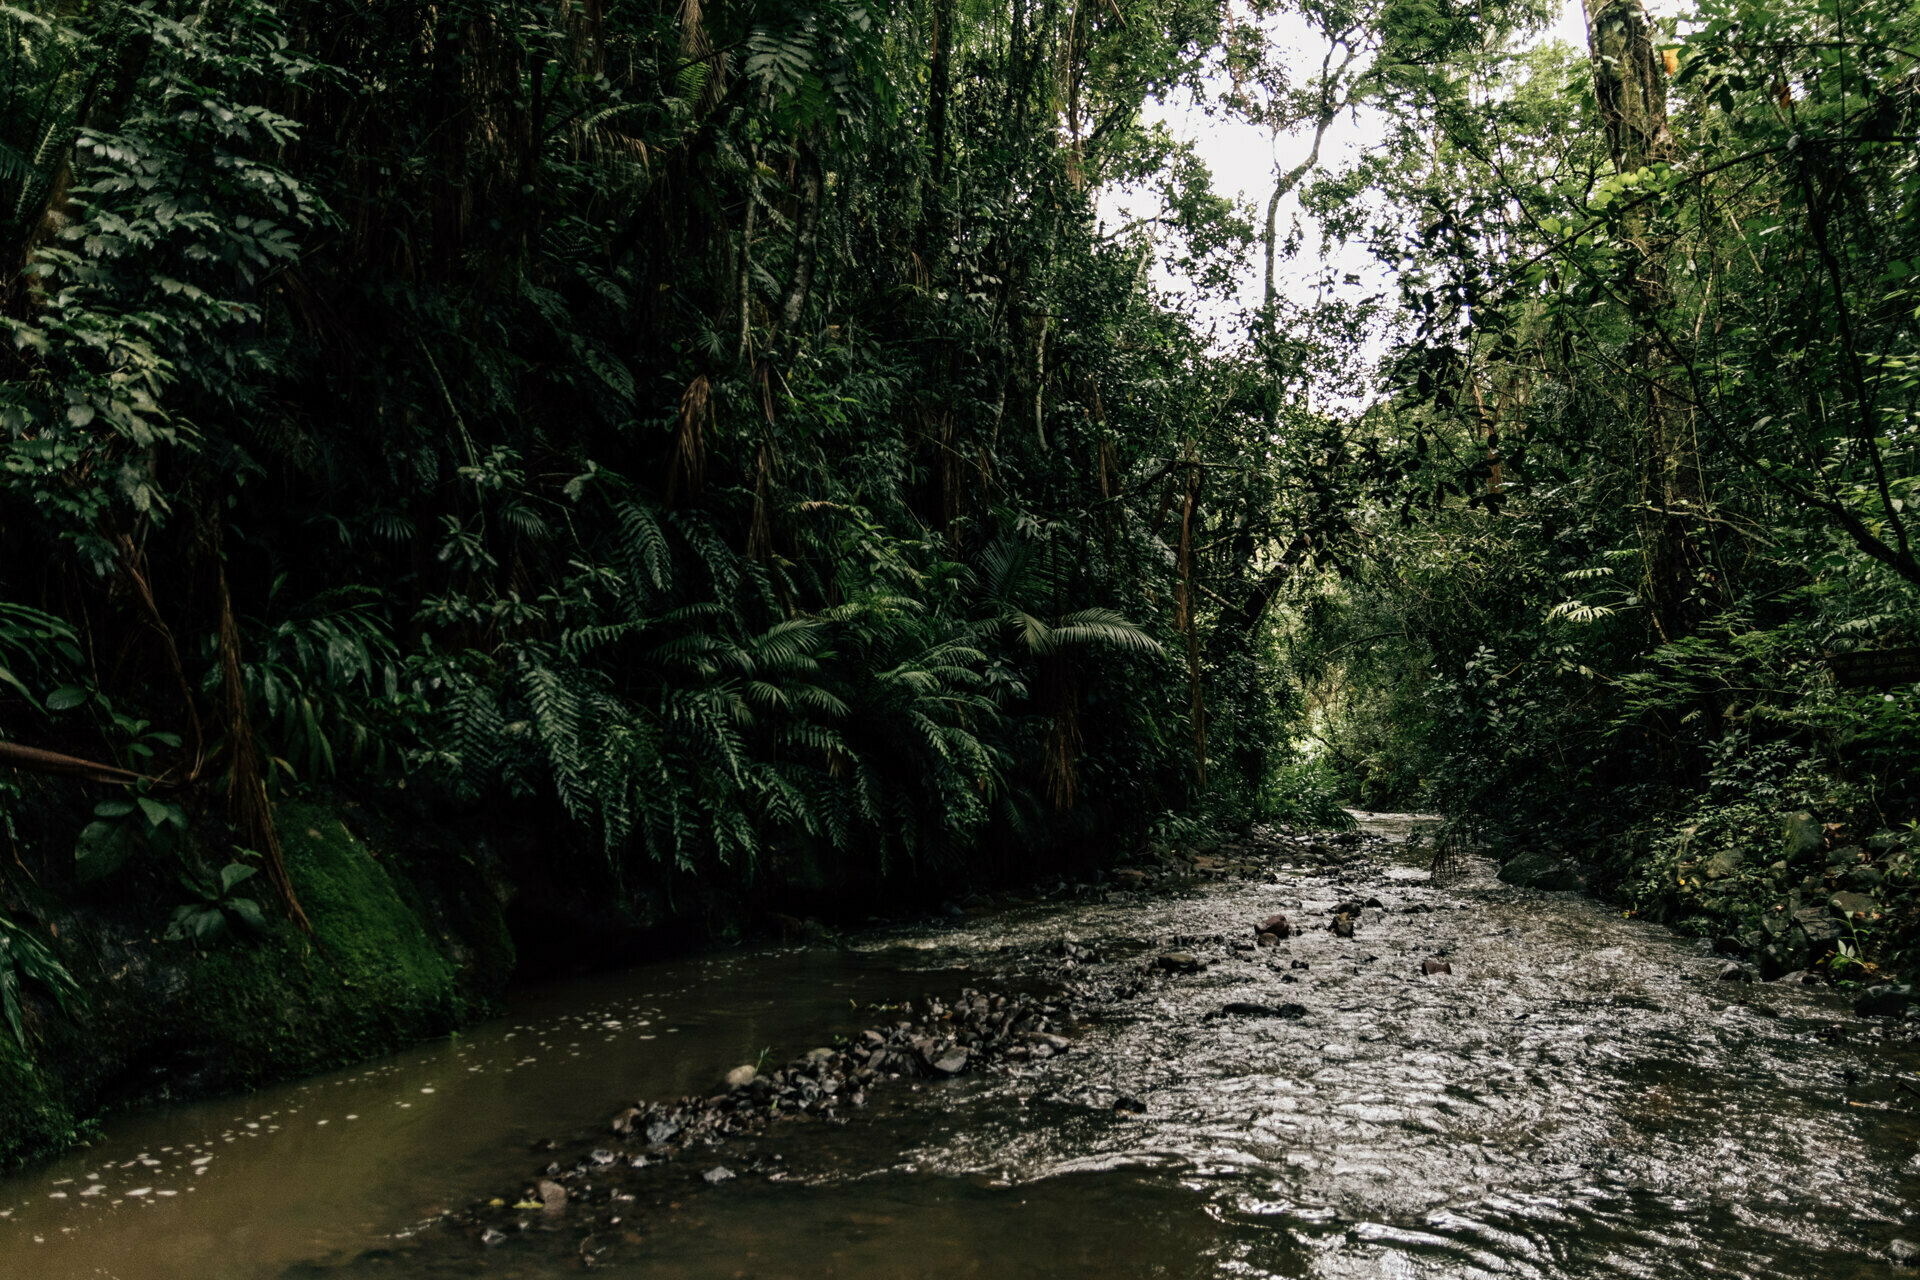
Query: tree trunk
{"x": 1629, "y": 84}
{"x": 805, "y": 240}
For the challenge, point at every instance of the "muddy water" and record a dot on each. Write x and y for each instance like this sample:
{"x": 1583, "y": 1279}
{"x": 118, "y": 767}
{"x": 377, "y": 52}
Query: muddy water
{"x": 1580, "y": 1097}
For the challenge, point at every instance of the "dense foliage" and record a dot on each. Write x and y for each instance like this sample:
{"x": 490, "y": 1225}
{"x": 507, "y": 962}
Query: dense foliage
{"x": 724, "y": 441}
{"x": 719, "y": 437}
{"x": 1648, "y": 461}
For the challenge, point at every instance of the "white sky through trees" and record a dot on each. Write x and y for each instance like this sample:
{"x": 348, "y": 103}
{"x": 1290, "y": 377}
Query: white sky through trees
{"x": 1245, "y": 158}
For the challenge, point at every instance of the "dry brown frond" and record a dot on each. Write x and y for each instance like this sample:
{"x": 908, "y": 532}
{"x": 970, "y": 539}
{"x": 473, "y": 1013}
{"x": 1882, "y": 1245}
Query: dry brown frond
{"x": 687, "y": 455}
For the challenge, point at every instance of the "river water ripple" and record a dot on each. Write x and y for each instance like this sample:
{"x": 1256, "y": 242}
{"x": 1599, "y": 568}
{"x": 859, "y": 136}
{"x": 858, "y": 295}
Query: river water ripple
{"x": 1580, "y": 1097}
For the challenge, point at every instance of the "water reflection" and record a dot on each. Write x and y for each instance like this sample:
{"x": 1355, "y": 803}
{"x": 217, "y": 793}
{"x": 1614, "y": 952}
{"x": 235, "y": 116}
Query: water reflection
{"x": 1578, "y": 1098}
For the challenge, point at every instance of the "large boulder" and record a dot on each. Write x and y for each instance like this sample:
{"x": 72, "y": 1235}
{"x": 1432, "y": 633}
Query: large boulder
{"x": 1801, "y": 834}
{"x": 1888, "y": 1001}
{"x": 1533, "y": 870}
{"x": 1850, "y": 905}
{"x": 1725, "y": 863}
{"x": 1821, "y": 929}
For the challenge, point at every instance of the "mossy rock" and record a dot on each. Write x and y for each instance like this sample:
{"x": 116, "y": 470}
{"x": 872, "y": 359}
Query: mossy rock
{"x": 1534, "y": 870}
{"x": 34, "y": 1114}
{"x": 369, "y": 980}
{"x": 166, "y": 1020}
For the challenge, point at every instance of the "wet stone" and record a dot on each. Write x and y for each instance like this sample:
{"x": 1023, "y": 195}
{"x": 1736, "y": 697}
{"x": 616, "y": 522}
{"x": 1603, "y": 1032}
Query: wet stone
{"x": 1850, "y": 904}
{"x": 1247, "y": 1009}
{"x": 1903, "y": 1253}
{"x": 1431, "y": 967}
{"x": 718, "y": 1174}
{"x": 1275, "y": 925}
{"x": 1889, "y": 1001}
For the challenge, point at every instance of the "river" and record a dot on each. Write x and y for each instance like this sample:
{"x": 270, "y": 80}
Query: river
{"x": 1579, "y": 1097}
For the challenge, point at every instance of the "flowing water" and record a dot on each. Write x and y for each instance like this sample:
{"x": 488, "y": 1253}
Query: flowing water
{"x": 1580, "y": 1097}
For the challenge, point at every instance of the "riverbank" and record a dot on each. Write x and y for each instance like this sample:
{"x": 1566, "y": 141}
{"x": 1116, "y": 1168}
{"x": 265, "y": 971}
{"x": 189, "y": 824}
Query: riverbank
{"x": 419, "y": 923}
{"x": 401, "y": 950}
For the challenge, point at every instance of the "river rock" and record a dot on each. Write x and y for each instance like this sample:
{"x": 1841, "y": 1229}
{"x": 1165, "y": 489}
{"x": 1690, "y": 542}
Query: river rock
{"x": 493, "y": 1236}
{"x": 662, "y": 1130}
{"x": 1887, "y": 1001}
{"x": 1734, "y": 971}
{"x": 1903, "y": 1253}
{"x": 1801, "y": 834}
{"x": 1847, "y": 904}
{"x": 952, "y": 1062}
{"x": 718, "y": 1174}
{"x": 1130, "y": 1104}
{"x": 1431, "y": 967}
{"x": 1299, "y": 964}
{"x": 741, "y": 1077}
{"x": 1819, "y": 929}
{"x": 1179, "y": 962}
{"x": 1247, "y": 1009}
{"x": 553, "y": 1196}
{"x": 1275, "y": 925}
{"x": 1534, "y": 870}
{"x": 1342, "y": 925}
{"x": 1267, "y": 940}
{"x": 1059, "y": 1044}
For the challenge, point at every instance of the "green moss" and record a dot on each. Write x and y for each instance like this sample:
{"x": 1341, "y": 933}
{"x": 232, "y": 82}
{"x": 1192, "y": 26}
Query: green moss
{"x": 370, "y": 979}
{"x": 34, "y": 1117}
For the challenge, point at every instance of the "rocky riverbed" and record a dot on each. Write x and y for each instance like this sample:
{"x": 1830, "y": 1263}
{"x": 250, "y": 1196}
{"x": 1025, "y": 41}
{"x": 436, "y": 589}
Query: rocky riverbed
{"x": 1292, "y": 1055}
{"x": 1348, "y": 1068}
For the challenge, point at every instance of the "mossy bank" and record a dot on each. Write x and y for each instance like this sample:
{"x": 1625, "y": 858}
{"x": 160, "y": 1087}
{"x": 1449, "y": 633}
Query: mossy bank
{"x": 403, "y": 948}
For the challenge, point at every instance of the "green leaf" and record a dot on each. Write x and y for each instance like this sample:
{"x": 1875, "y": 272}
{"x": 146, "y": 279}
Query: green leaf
{"x": 66, "y": 697}
{"x": 102, "y": 849}
{"x": 235, "y": 873}
{"x": 157, "y": 813}
{"x": 7, "y": 677}
{"x": 249, "y": 913}
{"x": 112, "y": 809}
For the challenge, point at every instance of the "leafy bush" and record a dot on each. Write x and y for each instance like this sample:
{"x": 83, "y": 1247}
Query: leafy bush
{"x": 25, "y": 957}
{"x": 217, "y": 908}
{"x": 1309, "y": 793}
